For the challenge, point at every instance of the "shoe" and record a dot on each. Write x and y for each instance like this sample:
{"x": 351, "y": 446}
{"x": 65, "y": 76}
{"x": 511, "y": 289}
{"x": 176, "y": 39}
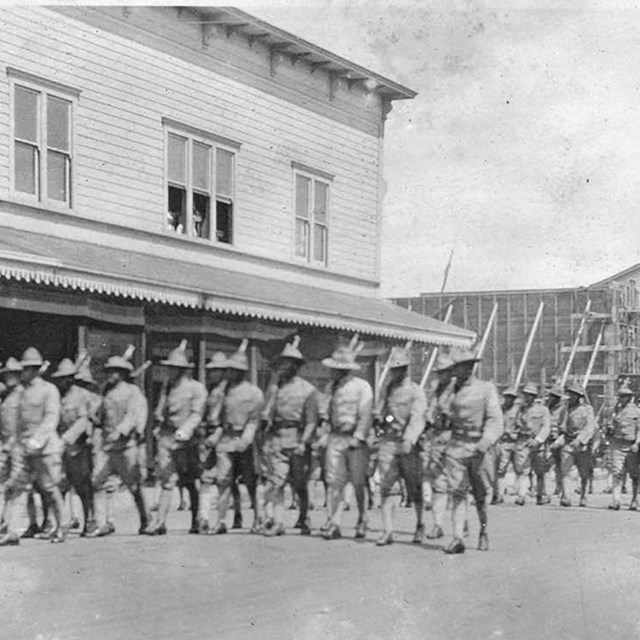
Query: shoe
{"x": 182, "y": 506}
{"x": 494, "y": 499}
{"x": 276, "y": 530}
{"x": 298, "y": 524}
{"x": 583, "y": 502}
{"x": 520, "y": 502}
{"x": 57, "y": 536}
{"x": 565, "y": 502}
{"x": 74, "y": 524}
{"x": 455, "y": 546}
{"x": 195, "y": 528}
{"x": 428, "y": 506}
{"x": 325, "y": 527}
{"x": 203, "y": 527}
{"x": 158, "y": 530}
{"x": 332, "y": 533}
{"x": 89, "y": 528}
{"x": 614, "y": 506}
{"x": 633, "y": 506}
{"x": 219, "y": 529}
{"x": 305, "y": 530}
{"x": 111, "y": 527}
{"x": 624, "y": 489}
{"x": 32, "y": 531}
{"x": 483, "y": 541}
{"x": 543, "y": 499}
{"x": 361, "y": 530}
{"x": 266, "y": 526}
{"x": 237, "y": 521}
{"x": 418, "y": 536}
{"x": 465, "y": 531}
{"x": 10, "y": 540}
{"x": 347, "y": 507}
{"x": 99, "y": 532}
{"x": 257, "y": 527}
{"x": 435, "y": 533}
{"x": 607, "y": 490}
{"x": 385, "y": 539}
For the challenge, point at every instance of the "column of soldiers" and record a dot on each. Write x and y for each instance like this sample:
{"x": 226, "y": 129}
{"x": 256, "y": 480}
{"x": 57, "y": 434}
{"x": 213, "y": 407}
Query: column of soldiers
{"x": 70, "y": 434}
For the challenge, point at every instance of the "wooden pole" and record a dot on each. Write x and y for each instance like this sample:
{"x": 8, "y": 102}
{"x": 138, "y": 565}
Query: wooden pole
{"x": 434, "y": 354}
{"x": 527, "y": 349}
{"x": 576, "y": 342}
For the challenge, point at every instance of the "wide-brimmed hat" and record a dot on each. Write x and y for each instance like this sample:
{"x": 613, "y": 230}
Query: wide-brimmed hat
{"x": 292, "y": 350}
{"x": 12, "y": 365}
{"x": 83, "y": 373}
{"x": 531, "y": 388}
{"x": 239, "y": 360}
{"x": 577, "y": 388}
{"x": 119, "y": 363}
{"x": 342, "y": 358}
{"x": 65, "y": 369}
{"x": 624, "y": 390}
{"x": 178, "y": 357}
{"x": 443, "y": 362}
{"x": 510, "y": 391}
{"x": 462, "y": 356}
{"x": 556, "y": 390}
{"x": 32, "y": 358}
{"x": 218, "y": 361}
{"x": 399, "y": 357}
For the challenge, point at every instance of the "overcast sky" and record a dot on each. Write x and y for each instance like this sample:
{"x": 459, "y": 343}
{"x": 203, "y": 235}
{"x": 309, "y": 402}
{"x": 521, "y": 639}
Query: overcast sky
{"x": 522, "y": 149}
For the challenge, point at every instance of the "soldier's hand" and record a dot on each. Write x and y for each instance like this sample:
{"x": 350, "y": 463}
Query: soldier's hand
{"x": 180, "y": 436}
{"x": 240, "y": 445}
{"x": 354, "y": 443}
{"x": 482, "y": 446}
{"x": 406, "y": 447}
{"x": 300, "y": 448}
{"x": 634, "y": 447}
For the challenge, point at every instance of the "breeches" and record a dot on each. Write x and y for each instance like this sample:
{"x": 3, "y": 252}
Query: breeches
{"x": 78, "y": 469}
{"x": 344, "y": 464}
{"x": 233, "y": 465}
{"x": 464, "y": 470}
{"x": 123, "y": 463}
{"x": 282, "y": 464}
{"x": 621, "y": 460}
{"x": 569, "y": 458}
{"x": 393, "y": 465}
{"x": 44, "y": 472}
{"x": 435, "y": 464}
{"x": 173, "y": 464}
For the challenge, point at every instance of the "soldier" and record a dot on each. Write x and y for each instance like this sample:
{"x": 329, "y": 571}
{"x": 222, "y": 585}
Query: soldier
{"x": 291, "y": 423}
{"x": 532, "y": 427}
{"x": 507, "y": 442}
{"x": 178, "y": 414}
{"x": 403, "y": 421}
{"x": 436, "y": 439}
{"x": 75, "y": 431}
{"x": 233, "y": 439}
{"x": 216, "y": 382}
{"x": 477, "y": 424}
{"x": 118, "y": 455}
{"x": 37, "y": 453}
{"x": 9, "y": 412}
{"x": 547, "y": 458}
{"x": 575, "y": 434}
{"x": 624, "y": 437}
{"x": 350, "y": 416}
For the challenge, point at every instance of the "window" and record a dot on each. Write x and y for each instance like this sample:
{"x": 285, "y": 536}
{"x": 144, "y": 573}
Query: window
{"x": 42, "y": 140}
{"x": 200, "y": 185}
{"x": 312, "y": 217}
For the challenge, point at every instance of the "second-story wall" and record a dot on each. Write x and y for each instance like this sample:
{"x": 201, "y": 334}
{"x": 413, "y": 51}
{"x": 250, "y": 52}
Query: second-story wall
{"x": 128, "y": 90}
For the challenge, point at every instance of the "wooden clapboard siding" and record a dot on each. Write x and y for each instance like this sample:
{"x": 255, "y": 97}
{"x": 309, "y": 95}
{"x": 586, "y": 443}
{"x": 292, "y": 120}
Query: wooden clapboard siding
{"x": 126, "y": 90}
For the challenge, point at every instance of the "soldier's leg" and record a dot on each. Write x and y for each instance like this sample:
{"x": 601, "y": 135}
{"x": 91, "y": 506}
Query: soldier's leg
{"x": 503, "y": 465}
{"x": 187, "y": 464}
{"x": 277, "y": 467}
{"x": 567, "y": 462}
{"x": 389, "y": 470}
{"x": 412, "y": 471}
{"x": 248, "y": 470}
{"x": 336, "y": 475}
{"x": 300, "y": 472}
{"x": 102, "y": 471}
{"x": 47, "y": 474}
{"x": 208, "y": 491}
{"x": 458, "y": 482}
{"x": 79, "y": 471}
{"x": 617, "y": 459}
{"x": 522, "y": 466}
{"x": 357, "y": 461}
{"x": 16, "y": 493}
{"x": 167, "y": 477}
{"x": 127, "y": 466}
{"x": 584, "y": 462}
{"x": 479, "y": 491}
{"x": 540, "y": 468}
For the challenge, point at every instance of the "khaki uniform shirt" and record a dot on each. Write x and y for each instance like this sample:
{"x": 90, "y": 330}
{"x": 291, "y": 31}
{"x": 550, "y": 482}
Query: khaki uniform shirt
{"x": 39, "y": 416}
{"x": 74, "y": 426}
{"x": 241, "y": 410}
{"x": 350, "y": 407}
{"x": 295, "y": 406}
{"x": 509, "y": 423}
{"x": 184, "y": 407}
{"x": 580, "y": 425}
{"x": 558, "y": 415}
{"x": 405, "y": 409}
{"x": 476, "y": 413}
{"x": 215, "y": 400}
{"x": 9, "y": 414}
{"x": 626, "y": 423}
{"x": 533, "y": 421}
{"x": 119, "y": 416}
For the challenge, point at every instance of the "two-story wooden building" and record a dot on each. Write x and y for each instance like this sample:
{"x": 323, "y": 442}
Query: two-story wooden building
{"x": 190, "y": 172}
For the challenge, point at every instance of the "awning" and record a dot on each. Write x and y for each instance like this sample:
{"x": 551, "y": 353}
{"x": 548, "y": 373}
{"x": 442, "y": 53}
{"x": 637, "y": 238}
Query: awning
{"x": 69, "y": 264}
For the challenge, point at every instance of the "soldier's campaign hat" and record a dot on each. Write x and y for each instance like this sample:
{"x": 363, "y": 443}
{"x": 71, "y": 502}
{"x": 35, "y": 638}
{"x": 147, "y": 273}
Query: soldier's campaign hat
{"x": 12, "y": 365}
{"x": 399, "y": 357}
{"x": 218, "y": 361}
{"x": 178, "y": 357}
{"x": 556, "y": 390}
{"x": 461, "y": 355}
{"x": 510, "y": 391}
{"x": 342, "y": 358}
{"x": 31, "y": 358}
{"x": 624, "y": 390}
{"x": 443, "y": 362}
{"x": 83, "y": 373}
{"x": 119, "y": 363}
{"x": 239, "y": 360}
{"x": 577, "y": 388}
{"x": 531, "y": 388}
{"x": 65, "y": 368}
{"x": 292, "y": 350}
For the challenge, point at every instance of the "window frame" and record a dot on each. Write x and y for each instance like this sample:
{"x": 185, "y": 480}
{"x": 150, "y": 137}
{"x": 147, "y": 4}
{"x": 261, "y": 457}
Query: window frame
{"x": 214, "y": 143}
{"x": 44, "y": 88}
{"x": 314, "y": 176}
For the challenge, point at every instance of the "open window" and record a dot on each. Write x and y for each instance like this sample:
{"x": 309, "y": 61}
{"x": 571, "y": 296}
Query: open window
{"x": 311, "y": 217}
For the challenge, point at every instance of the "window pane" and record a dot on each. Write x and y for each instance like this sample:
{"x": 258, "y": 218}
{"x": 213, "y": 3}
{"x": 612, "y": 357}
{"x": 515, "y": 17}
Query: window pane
{"x": 224, "y": 222}
{"x": 26, "y": 114}
{"x": 177, "y": 206}
{"x": 224, "y": 173}
{"x": 58, "y": 112}
{"x": 57, "y": 176}
{"x": 320, "y": 198}
{"x": 302, "y": 238}
{"x": 200, "y": 215}
{"x": 320, "y": 243}
{"x": 200, "y": 170}
{"x": 177, "y": 153}
{"x": 25, "y": 168}
{"x": 302, "y": 196}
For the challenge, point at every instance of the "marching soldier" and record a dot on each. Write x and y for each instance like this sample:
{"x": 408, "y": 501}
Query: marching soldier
{"x": 532, "y": 427}
{"x": 573, "y": 441}
{"x": 350, "y": 415}
{"x": 233, "y": 439}
{"x": 546, "y": 457}
{"x": 217, "y": 384}
{"x": 75, "y": 431}
{"x": 507, "y": 442}
{"x": 9, "y": 412}
{"x": 291, "y": 423}
{"x": 37, "y": 454}
{"x": 624, "y": 438}
{"x": 403, "y": 421}
{"x": 118, "y": 454}
{"x": 179, "y": 413}
{"x": 477, "y": 423}
{"x": 435, "y": 441}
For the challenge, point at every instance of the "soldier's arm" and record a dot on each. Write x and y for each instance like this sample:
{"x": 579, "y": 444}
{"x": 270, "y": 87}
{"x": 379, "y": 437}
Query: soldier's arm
{"x": 310, "y": 416}
{"x": 545, "y": 429}
{"x": 80, "y": 426}
{"x": 365, "y": 413}
{"x": 589, "y": 428}
{"x": 128, "y": 422}
{"x": 197, "y": 406}
{"x": 50, "y": 418}
{"x": 493, "y": 423}
{"x": 142, "y": 411}
{"x": 416, "y": 424}
{"x": 253, "y": 420}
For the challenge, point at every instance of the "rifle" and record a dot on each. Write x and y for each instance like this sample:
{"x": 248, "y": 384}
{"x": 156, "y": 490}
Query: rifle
{"x": 527, "y": 349}
{"x": 434, "y": 354}
{"x": 485, "y": 335}
{"x": 576, "y": 342}
{"x": 141, "y": 369}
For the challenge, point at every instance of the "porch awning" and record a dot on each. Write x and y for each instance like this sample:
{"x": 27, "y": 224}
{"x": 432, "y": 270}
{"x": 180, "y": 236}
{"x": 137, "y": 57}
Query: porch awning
{"x": 69, "y": 264}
